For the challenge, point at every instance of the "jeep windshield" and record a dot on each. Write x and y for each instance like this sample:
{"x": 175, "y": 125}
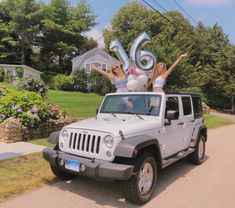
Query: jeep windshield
{"x": 132, "y": 104}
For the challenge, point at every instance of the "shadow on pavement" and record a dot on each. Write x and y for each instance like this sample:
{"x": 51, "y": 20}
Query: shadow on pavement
{"x": 109, "y": 194}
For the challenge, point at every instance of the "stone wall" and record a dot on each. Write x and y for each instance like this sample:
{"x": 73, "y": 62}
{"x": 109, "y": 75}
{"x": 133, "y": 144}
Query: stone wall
{"x": 11, "y": 130}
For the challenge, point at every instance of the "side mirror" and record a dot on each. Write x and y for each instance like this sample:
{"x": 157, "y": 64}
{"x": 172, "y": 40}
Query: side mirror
{"x": 97, "y": 110}
{"x": 172, "y": 115}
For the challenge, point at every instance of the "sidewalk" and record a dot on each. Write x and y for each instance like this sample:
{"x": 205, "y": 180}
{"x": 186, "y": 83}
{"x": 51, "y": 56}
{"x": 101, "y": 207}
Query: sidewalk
{"x": 18, "y": 149}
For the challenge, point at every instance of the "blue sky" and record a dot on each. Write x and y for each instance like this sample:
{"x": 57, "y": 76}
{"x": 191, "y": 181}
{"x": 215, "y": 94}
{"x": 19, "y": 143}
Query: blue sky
{"x": 207, "y": 11}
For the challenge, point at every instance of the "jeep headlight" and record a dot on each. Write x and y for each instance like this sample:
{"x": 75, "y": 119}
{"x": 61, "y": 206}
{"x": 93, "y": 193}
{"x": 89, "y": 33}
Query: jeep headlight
{"x": 109, "y": 141}
{"x": 65, "y": 135}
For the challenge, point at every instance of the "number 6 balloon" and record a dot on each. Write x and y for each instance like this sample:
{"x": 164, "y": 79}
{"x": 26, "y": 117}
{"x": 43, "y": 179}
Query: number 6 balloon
{"x": 137, "y": 55}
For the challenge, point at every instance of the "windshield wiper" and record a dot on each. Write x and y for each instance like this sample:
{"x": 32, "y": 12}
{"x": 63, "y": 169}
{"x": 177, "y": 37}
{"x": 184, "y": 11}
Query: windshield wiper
{"x": 113, "y": 115}
{"x": 136, "y": 115}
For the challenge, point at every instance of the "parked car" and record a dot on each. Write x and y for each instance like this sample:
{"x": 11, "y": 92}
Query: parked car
{"x": 132, "y": 137}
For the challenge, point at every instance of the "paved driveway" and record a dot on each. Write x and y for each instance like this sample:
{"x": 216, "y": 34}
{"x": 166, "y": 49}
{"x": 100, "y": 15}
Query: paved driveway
{"x": 181, "y": 185}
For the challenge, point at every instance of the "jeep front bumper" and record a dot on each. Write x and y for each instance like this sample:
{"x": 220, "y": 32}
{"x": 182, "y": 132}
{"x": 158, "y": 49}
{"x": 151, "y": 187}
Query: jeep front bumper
{"x": 97, "y": 169}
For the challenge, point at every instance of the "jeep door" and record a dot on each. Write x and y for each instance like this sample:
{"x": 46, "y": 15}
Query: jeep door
{"x": 188, "y": 118}
{"x": 172, "y": 132}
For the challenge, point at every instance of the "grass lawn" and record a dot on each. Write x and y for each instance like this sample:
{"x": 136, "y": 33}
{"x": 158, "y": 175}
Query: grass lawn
{"x": 22, "y": 174}
{"x": 76, "y": 104}
{"x": 215, "y": 121}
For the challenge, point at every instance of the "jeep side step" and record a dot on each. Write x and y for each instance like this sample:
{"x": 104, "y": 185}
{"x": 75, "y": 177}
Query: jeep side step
{"x": 177, "y": 157}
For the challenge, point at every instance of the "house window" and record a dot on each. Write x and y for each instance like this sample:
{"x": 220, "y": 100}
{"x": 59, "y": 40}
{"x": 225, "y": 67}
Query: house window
{"x": 104, "y": 67}
{"x": 100, "y": 65}
{"x": 88, "y": 67}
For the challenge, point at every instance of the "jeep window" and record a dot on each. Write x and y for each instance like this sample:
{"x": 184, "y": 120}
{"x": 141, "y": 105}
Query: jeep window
{"x": 172, "y": 103}
{"x": 197, "y": 107}
{"x": 132, "y": 104}
{"x": 187, "y": 107}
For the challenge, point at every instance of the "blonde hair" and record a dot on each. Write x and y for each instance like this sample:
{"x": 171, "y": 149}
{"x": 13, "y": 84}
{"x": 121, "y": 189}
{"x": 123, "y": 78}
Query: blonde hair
{"x": 156, "y": 68}
{"x": 121, "y": 70}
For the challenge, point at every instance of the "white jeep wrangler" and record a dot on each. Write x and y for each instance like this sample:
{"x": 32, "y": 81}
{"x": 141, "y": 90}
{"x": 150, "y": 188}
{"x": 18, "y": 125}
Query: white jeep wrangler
{"x": 132, "y": 137}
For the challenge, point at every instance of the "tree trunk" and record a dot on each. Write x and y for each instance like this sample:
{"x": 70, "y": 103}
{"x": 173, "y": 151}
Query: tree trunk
{"x": 233, "y": 104}
{"x": 22, "y": 57}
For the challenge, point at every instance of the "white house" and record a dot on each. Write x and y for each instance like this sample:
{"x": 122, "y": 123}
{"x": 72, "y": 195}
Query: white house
{"x": 95, "y": 56}
{"x": 28, "y": 71}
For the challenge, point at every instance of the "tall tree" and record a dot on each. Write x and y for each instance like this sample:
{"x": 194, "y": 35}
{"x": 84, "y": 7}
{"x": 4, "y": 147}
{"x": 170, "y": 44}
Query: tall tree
{"x": 20, "y": 29}
{"x": 63, "y": 30}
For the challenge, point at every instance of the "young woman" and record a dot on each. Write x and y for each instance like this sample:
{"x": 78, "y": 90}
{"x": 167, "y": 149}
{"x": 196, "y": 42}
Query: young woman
{"x": 161, "y": 73}
{"x": 117, "y": 77}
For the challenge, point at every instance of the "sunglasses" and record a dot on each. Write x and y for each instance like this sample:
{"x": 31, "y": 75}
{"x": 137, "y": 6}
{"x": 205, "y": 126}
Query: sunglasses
{"x": 116, "y": 67}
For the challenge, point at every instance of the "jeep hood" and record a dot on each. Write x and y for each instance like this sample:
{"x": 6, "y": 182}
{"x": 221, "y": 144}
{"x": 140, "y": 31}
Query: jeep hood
{"x": 113, "y": 125}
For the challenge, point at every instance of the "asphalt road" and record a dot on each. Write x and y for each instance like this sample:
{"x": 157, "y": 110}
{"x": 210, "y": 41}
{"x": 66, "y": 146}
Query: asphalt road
{"x": 182, "y": 185}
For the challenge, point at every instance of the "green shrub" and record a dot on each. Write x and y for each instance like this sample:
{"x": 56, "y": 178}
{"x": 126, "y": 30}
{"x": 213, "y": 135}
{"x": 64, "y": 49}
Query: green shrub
{"x": 63, "y": 82}
{"x": 80, "y": 78}
{"x": 3, "y": 91}
{"x": 9, "y": 76}
{"x": 33, "y": 86}
{"x": 2, "y": 74}
{"x": 100, "y": 84}
{"x": 29, "y": 107}
{"x": 19, "y": 72}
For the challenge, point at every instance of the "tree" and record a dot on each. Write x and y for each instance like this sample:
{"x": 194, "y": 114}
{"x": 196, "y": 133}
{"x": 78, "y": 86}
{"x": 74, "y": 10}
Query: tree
{"x": 20, "y": 29}
{"x": 63, "y": 30}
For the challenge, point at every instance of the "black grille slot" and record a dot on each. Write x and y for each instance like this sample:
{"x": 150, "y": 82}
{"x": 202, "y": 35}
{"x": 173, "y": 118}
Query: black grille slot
{"x": 74, "y": 140}
{"x": 88, "y": 143}
{"x": 71, "y": 139}
{"x": 79, "y": 140}
{"x": 98, "y": 145}
{"x": 93, "y": 144}
{"x": 83, "y": 141}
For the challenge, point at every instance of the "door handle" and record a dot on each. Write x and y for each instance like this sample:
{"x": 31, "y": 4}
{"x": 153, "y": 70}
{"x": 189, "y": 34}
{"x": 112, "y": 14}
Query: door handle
{"x": 192, "y": 121}
{"x": 181, "y": 124}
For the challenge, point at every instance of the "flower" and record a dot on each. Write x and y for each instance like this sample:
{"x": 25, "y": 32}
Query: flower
{"x": 34, "y": 109}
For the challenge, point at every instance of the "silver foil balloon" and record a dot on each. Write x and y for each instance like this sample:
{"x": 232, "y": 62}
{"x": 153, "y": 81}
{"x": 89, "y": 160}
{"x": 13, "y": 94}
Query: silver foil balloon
{"x": 137, "y": 55}
{"x": 116, "y": 47}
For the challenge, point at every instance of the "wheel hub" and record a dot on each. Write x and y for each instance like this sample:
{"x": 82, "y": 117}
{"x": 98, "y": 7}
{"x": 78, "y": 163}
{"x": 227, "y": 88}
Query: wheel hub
{"x": 200, "y": 149}
{"x": 145, "y": 178}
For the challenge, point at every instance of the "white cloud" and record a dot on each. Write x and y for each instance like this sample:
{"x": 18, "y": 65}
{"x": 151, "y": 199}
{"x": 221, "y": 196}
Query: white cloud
{"x": 96, "y": 35}
{"x": 209, "y": 2}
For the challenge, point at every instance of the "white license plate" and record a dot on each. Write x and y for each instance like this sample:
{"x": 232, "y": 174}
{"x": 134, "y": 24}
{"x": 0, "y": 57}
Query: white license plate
{"x": 72, "y": 165}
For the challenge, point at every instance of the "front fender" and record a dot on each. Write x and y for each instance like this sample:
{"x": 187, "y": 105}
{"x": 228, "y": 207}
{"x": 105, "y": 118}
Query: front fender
{"x": 54, "y": 137}
{"x": 128, "y": 146}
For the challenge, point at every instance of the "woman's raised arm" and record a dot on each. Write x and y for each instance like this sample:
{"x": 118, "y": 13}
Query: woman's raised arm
{"x": 93, "y": 66}
{"x": 167, "y": 73}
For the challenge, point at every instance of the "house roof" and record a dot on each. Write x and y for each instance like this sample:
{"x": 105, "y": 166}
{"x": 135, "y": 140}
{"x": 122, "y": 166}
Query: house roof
{"x": 93, "y": 52}
{"x": 24, "y": 66}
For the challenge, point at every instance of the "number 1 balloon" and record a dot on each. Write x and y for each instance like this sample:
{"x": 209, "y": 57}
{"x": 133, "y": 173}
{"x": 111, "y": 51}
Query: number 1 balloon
{"x": 116, "y": 47}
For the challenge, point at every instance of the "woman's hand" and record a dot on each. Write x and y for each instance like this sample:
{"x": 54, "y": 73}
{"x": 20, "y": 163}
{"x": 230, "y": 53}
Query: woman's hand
{"x": 93, "y": 66}
{"x": 184, "y": 55}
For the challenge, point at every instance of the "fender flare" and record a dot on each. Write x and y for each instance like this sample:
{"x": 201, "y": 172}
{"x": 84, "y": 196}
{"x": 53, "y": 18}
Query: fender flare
{"x": 130, "y": 147}
{"x": 54, "y": 137}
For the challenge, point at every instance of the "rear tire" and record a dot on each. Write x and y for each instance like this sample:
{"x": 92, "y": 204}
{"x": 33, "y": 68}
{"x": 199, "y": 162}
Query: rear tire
{"x": 140, "y": 187}
{"x": 197, "y": 157}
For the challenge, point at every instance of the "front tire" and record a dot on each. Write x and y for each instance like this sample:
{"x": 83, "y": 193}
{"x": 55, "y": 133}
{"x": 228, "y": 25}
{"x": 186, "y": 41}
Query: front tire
{"x": 62, "y": 174}
{"x": 197, "y": 157}
{"x": 140, "y": 187}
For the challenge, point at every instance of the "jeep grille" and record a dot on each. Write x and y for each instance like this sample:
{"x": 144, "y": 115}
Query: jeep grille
{"x": 84, "y": 142}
